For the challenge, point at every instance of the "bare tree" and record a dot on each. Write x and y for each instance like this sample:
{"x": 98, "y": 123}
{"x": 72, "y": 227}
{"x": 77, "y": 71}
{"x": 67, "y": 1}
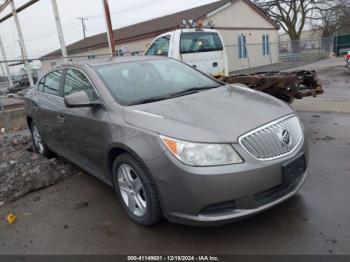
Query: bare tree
{"x": 330, "y": 16}
{"x": 292, "y": 15}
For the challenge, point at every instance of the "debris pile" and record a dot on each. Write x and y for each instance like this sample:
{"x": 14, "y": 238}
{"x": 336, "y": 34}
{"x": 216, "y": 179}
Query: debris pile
{"x": 286, "y": 86}
{"x": 22, "y": 171}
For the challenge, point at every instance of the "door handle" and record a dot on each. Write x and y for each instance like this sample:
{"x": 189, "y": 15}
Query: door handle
{"x": 61, "y": 119}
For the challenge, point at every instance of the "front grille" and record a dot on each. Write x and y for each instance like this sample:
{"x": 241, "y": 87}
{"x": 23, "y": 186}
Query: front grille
{"x": 271, "y": 141}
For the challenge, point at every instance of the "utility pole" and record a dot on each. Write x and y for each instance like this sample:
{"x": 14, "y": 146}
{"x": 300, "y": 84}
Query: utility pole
{"x": 59, "y": 31}
{"x": 2, "y": 70}
{"x": 110, "y": 34}
{"x": 7, "y": 69}
{"x": 83, "y": 24}
{"x": 21, "y": 43}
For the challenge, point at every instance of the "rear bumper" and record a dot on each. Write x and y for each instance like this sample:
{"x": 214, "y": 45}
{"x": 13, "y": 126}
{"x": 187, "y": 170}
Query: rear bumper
{"x": 243, "y": 189}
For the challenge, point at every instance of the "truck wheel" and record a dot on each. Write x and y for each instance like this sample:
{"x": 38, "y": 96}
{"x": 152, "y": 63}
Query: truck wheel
{"x": 136, "y": 191}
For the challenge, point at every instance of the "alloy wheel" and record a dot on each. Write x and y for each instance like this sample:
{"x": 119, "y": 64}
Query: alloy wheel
{"x": 132, "y": 190}
{"x": 38, "y": 140}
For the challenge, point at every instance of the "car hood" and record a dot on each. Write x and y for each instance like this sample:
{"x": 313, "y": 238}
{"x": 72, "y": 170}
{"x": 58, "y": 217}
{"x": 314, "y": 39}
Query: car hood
{"x": 217, "y": 115}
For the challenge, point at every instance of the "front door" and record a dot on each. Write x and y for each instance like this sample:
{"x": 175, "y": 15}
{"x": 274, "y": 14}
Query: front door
{"x": 86, "y": 128}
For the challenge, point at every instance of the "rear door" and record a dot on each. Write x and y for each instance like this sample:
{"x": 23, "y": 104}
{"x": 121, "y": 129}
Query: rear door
{"x": 49, "y": 107}
{"x": 86, "y": 128}
{"x": 204, "y": 51}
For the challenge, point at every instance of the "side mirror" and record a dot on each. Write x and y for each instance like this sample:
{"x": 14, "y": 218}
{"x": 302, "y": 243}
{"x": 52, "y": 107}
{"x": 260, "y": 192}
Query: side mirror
{"x": 80, "y": 99}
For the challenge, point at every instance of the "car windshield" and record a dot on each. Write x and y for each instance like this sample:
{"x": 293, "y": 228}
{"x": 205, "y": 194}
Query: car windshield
{"x": 200, "y": 42}
{"x": 143, "y": 81}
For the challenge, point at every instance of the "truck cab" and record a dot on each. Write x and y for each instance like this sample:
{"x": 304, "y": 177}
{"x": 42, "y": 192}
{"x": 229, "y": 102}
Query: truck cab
{"x": 200, "y": 48}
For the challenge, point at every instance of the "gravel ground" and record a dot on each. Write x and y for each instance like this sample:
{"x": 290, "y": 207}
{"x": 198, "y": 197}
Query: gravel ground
{"x": 22, "y": 171}
{"x": 336, "y": 84}
{"x": 83, "y": 215}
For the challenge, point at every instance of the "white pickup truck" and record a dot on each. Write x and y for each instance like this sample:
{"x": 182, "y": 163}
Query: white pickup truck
{"x": 201, "y": 48}
{"x": 204, "y": 49}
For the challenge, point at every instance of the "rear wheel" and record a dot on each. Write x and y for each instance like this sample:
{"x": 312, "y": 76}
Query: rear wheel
{"x": 136, "y": 191}
{"x": 39, "y": 144}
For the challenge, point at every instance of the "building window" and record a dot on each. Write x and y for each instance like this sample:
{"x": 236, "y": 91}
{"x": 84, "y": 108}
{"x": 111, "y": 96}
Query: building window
{"x": 53, "y": 64}
{"x": 90, "y": 57}
{"x": 266, "y": 45}
{"x": 242, "y": 47}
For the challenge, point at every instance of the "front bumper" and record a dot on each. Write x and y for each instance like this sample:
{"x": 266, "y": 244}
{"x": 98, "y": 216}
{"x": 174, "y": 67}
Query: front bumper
{"x": 221, "y": 194}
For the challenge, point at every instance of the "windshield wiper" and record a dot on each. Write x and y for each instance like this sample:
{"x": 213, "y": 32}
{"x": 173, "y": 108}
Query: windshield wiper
{"x": 192, "y": 90}
{"x": 148, "y": 100}
{"x": 189, "y": 91}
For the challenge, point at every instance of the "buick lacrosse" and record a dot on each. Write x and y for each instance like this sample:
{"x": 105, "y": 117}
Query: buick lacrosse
{"x": 172, "y": 141}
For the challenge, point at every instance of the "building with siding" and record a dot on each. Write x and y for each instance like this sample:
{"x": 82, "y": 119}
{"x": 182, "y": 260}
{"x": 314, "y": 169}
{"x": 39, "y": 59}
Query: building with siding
{"x": 250, "y": 37}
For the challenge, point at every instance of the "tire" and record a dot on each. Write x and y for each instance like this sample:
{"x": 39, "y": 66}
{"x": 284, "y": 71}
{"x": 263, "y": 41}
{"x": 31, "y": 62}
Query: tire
{"x": 141, "y": 204}
{"x": 39, "y": 144}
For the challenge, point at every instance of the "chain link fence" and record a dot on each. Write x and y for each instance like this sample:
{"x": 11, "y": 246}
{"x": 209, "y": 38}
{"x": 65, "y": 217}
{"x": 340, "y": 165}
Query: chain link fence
{"x": 283, "y": 55}
{"x": 243, "y": 58}
{"x": 307, "y": 50}
{"x": 39, "y": 66}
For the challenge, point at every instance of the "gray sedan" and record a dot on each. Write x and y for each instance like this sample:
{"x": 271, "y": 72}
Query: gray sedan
{"x": 172, "y": 141}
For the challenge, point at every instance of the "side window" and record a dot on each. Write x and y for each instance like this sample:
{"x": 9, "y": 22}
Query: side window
{"x": 53, "y": 83}
{"x": 76, "y": 81}
{"x": 160, "y": 46}
{"x": 41, "y": 85}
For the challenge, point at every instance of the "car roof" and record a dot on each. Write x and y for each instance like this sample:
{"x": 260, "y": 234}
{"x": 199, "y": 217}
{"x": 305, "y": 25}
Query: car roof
{"x": 115, "y": 60}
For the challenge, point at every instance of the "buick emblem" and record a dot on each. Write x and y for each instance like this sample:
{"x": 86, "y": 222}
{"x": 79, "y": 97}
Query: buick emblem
{"x": 285, "y": 138}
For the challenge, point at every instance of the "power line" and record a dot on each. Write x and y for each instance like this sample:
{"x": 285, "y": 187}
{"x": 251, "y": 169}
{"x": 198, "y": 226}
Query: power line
{"x": 193, "y": 4}
{"x": 53, "y": 33}
{"x": 69, "y": 26}
{"x": 144, "y": 4}
{"x": 126, "y": 9}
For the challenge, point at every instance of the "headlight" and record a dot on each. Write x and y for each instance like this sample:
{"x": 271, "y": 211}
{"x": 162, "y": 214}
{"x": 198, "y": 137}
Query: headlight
{"x": 198, "y": 154}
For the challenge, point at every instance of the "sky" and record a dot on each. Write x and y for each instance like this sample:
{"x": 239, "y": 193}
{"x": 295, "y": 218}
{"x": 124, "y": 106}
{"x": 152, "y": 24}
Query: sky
{"x": 39, "y": 28}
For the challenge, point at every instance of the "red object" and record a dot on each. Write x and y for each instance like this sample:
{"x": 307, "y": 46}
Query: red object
{"x": 347, "y": 56}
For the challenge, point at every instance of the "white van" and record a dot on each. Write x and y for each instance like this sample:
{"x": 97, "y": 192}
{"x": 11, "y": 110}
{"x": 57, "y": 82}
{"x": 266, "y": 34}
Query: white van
{"x": 198, "y": 47}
